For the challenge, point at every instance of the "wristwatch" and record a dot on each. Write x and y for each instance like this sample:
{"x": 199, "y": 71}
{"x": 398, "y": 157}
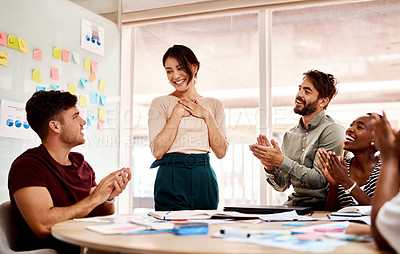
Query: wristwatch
{"x": 348, "y": 191}
{"x": 109, "y": 202}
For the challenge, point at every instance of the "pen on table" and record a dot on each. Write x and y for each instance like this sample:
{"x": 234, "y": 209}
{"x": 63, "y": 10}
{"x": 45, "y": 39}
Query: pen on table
{"x": 235, "y": 232}
{"x": 329, "y": 217}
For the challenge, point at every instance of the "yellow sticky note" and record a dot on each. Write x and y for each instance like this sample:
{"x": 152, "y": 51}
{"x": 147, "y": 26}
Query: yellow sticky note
{"x": 102, "y": 85}
{"x": 23, "y": 45}
{"x": 92, "y": 76}
{"x": 12, "y": 42}
{"x": 82, "y": 101}
{"x": 57, "y": 53}
{"x": 86, "y": 64}
{"x": 36, "y": 75}
{"x": 102, "y": 113}
{"x": 3, "y": 58}
{"x": 71, "y": 88}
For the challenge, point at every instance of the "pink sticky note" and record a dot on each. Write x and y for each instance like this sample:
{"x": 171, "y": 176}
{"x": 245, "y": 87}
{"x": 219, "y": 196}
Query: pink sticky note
{"x": 93, "y": 66}
{"x": 3, "y": 39}
{"x": 54, "y": 73}
{"x": 65, "y": 55}
{"x": 37, "y": 54}
{"x": 100, "y": 124}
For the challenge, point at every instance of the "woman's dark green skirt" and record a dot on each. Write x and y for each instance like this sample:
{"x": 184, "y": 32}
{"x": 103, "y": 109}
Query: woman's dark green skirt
{"x": 185, "y": 182}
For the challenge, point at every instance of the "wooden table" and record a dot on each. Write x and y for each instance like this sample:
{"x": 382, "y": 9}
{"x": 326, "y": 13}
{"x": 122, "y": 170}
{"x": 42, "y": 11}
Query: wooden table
{"x": 75, "y": 232}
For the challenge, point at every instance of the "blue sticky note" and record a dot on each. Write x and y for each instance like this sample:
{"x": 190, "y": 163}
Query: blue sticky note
{"x": 83, "y": 82}
{"x": 294, "y": 223}
{"x": 103, "y": 100}
{"x": 90, "y": 120}
{"x": 54, "y": 87}
{"x": 93, "y": 98}
{"x": 40, "y": 88}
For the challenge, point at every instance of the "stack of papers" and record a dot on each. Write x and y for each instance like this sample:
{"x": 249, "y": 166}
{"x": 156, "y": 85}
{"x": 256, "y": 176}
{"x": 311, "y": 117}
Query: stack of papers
{"x": 353, "y": 211}
{"x": 200, "y": 215}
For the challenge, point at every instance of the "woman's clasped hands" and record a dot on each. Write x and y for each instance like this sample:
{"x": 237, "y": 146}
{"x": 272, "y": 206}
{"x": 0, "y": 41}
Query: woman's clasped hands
{"x": 191, "y": 107}
{"x": 334, "y": 168}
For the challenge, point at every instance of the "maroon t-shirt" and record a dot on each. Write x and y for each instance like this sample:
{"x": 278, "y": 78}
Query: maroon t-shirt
{"x": 66, "y": 185}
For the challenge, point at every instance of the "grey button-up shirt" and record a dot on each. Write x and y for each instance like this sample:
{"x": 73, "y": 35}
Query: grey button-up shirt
{"x": 299, "y": 167}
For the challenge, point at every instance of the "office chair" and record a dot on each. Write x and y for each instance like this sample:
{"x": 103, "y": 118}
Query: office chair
{"x": 8, "y": 233}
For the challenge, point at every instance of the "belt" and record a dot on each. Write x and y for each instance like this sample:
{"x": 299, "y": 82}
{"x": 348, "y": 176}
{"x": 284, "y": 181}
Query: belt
{"x": 182, "y": 159}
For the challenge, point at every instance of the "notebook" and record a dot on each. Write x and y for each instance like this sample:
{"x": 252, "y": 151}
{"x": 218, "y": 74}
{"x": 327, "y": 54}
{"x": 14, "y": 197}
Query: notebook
{"x": 260, "y": 209}
{"x": 354, "y": 211}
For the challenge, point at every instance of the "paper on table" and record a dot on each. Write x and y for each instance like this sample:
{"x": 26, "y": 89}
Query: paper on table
{"x": 285, "y": 216}
{"x": 117, "y": 228}
{"x": 199, "y": 214}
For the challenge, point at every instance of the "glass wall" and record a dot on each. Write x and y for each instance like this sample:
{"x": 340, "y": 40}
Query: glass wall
{"x": 357, "y": 42}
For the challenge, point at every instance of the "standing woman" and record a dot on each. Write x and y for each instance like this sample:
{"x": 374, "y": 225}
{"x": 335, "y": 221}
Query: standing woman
{"x": 183, "y": 126}
{"x": 352, "y": 181}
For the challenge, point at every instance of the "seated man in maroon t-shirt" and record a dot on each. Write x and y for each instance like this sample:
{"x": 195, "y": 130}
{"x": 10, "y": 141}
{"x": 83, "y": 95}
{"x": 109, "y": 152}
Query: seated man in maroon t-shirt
{"x": 50, "y": 184}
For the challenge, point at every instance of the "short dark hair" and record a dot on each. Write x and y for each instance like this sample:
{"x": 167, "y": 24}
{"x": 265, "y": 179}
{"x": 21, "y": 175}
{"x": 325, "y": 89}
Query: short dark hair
{"x": 324, "y": 83}
{"x": 45, "y": 106}
{"x": 185, "y": 57}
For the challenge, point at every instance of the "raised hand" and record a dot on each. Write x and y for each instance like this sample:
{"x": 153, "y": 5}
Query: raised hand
{"x": 269, "y": 153}
{"x": 123, "y": 176}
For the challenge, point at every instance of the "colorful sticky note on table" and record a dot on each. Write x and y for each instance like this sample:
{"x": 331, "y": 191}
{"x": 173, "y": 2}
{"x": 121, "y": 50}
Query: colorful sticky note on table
{"x": 82, "y": 101}
{"x": 100, "y": 124}
{"x": 54, "y": 73}
{"x": 83, "y": 82}
{"x": 65, "y": 55}
{"x": 23, "y": 45}
{"x": 92, "y": 76}
{"x": 102, "y": 113}
{"x": 57, "y": 53}
{"x": 90, "y": 120}
{"x": 36, "y": 75}
{"x": 103, "y": 100}
{"x": 76, "y": 57}
{"x": 54, "y": 87}
{"x": 86, "y": 64}
{"x": 37, "y": 54}
{"x": 40, "y": 88}
{"x": 71, "y": 88}
{"x": 102, "y": 85}
{"x": 3, "y": 58}
{"x": 93, "y": 66}
{"x": 12, "y": 42}
{"x": 3, "y": 39}
{"x": 93, "y": 98}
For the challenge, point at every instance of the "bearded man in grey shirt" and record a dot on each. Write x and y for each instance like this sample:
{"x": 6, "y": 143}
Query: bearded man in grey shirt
{"x": 296, "y": 164}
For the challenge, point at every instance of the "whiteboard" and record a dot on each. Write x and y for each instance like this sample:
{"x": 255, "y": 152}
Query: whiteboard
{"x": 45, "y": 24}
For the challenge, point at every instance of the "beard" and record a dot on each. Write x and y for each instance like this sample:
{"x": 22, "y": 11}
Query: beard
{"x": 307, "y": 109}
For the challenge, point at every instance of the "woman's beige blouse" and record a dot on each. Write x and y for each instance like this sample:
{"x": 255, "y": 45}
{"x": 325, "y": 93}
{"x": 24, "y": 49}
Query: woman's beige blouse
{"x": 192, "y": 135}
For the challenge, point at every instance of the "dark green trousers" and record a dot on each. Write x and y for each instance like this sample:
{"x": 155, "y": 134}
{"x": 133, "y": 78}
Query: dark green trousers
{"x": 185, "y": 182}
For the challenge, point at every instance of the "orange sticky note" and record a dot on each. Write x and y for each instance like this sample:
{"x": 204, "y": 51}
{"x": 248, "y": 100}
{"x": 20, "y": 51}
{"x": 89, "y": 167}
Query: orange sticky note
{"x": 36, "y": 75}
{"x": 92, "y": 76}
{"x": 86, "y": 64}
{"x": 93, "y": 66}
{"x": 65, "y": 55}
{"x": 102, "y": 113}
{"x": 71, "y": 88}
{"x": 3, "y": 39}
{"x": 3, "y": 58}
{"x": 54, "y": 73}
{"x": 37, "y": 54}
{"x": 23, "y": 45}
{"x": 102, "y": 85}
{"x": 82, "y": 101}
{"x": 100, "y": 124}
{"x": 57, "y": 53}
{"x": 12, "y": 42}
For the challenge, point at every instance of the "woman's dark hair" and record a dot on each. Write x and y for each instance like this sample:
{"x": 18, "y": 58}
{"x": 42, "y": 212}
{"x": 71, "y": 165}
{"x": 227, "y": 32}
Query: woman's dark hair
{"x": 45, "y": 106}
{"x": 185, "y": 58}
{"x": 324, "y": 83}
